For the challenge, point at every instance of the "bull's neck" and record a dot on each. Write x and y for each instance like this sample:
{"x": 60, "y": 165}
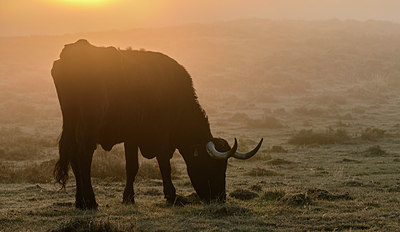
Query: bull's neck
{"x": 195, "y": 128}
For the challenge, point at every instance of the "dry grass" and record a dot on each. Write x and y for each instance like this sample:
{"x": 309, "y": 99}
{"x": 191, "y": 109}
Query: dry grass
{"x": 314, "y": 75}
{"x": 262, "y": 172}
{"x": 375, "y": 151}
{"x": 89, "y": 224}
{"x": 243, "y": 194}
{"x": 309, "y": 137}
{"x": 31, "y": 173}
{"x": 373, "y": 134}
{"x": 267, "y": 122}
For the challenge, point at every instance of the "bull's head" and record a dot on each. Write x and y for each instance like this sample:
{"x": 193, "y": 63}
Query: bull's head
{"x": 206, "y": 166}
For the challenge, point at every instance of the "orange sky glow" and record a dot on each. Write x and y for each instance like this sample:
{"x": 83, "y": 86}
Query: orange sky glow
{"x": 26, "y": 17}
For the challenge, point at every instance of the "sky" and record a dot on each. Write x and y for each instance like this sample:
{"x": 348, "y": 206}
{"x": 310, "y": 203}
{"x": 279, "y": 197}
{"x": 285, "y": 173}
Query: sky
{"x": 32, "y": 17}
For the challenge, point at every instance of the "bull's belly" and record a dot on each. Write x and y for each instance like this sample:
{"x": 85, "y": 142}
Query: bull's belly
{"x": 150, "y": 144}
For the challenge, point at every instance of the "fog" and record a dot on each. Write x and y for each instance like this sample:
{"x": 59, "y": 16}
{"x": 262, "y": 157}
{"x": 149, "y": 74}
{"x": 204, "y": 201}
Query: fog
{"x": 23, "y": 17}
{"x": 318, "y": 80}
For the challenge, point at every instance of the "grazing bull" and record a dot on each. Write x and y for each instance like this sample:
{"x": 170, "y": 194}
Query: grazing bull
{"x": 142, "y": 99}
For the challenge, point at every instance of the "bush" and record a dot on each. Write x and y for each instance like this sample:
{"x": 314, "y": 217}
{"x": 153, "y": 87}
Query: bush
{"x": 308, "y": 137}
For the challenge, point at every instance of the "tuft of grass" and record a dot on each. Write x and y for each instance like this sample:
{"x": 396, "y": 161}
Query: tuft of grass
{"x": 256, "y": 188}
{"x": 267, "y": 122}
{"x": 32, "y": 173}
{"x": 278, "y": 149}
{"x": 152, "y": 192}
{"x": 373, "y": 134}
{"x": 309, "y": 137}
{"x": 262, "y": 155}
{"x": 374, "y": 151}
{"x": 262, "y": 172}
{"x": 346, "y": 160}
{"x": 299, "y": 199}
{"x": 279, "y": 161}
{"x": 274, "y": 195}
{"x": 321, "y": 194}
{"x": 243, "y": 194}
{"x": 224, "y": 210}
{"x": 89, "y": 224}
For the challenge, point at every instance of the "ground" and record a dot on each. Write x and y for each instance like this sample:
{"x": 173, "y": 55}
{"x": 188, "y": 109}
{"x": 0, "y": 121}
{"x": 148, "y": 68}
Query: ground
{"x": 325, "y": 103}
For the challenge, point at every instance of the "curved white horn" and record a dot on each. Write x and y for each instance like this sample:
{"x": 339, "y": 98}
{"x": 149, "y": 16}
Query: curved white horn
{"x": 248, "y": 155}
{"x": 210, "y": 147}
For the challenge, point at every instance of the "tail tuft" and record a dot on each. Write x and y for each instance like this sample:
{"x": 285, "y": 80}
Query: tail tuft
{"x": 61, "y": 168}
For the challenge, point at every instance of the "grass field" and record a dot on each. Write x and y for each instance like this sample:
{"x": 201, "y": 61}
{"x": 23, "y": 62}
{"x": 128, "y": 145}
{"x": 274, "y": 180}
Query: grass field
{"x": 324, "y": 100}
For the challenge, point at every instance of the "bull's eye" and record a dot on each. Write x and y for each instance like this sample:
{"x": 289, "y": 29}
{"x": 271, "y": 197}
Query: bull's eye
{"x": 196, "y": 152}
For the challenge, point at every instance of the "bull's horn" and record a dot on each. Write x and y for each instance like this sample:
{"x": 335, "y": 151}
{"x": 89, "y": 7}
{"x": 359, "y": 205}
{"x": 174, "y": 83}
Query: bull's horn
{"x": 220, "y": 155}
{"x": 247, "y": 155}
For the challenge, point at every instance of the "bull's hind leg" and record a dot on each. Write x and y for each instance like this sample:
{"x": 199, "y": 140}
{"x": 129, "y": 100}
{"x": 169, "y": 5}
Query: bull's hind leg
{"x": 132, "y": 167}
{"x": 81, "y": 166}
{"x": 168, "y": 187}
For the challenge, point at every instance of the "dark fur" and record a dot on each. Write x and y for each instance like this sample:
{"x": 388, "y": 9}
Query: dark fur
{"x": 108, "y": 96}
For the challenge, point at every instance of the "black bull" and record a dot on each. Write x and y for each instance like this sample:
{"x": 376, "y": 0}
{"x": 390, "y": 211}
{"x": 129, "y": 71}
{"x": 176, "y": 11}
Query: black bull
{"x": 142, "y": 99}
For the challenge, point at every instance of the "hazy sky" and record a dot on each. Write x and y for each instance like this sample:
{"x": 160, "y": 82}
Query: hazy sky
{"x": 24, "y": 17}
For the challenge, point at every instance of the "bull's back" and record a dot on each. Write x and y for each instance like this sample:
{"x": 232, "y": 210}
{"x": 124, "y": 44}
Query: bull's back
{"x": 111, "y": 95}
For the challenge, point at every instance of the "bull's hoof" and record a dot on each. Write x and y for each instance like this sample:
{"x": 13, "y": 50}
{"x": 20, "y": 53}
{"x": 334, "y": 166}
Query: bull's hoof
{"x": 128, "y": 198}
{"x": 86, "y": 205}
{"x": 177, "y": 201}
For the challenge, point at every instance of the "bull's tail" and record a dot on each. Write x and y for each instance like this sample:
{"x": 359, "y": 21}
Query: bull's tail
{"x": 66, "y": 149}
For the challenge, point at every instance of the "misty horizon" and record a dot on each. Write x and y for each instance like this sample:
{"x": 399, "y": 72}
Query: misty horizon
{"x": 41, "y": 17}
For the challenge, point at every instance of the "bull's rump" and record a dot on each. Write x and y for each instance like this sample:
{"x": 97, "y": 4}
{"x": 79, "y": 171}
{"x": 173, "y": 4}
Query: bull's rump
{"x": 108, "y": 96}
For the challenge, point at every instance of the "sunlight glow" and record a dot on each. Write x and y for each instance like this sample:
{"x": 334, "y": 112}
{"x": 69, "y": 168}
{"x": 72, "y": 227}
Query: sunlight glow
{"x": 85, "y": 2}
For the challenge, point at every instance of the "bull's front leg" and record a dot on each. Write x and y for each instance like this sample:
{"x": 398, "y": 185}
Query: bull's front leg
{"x": 132, "y": 167}
{"x": 168, "y": 187}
